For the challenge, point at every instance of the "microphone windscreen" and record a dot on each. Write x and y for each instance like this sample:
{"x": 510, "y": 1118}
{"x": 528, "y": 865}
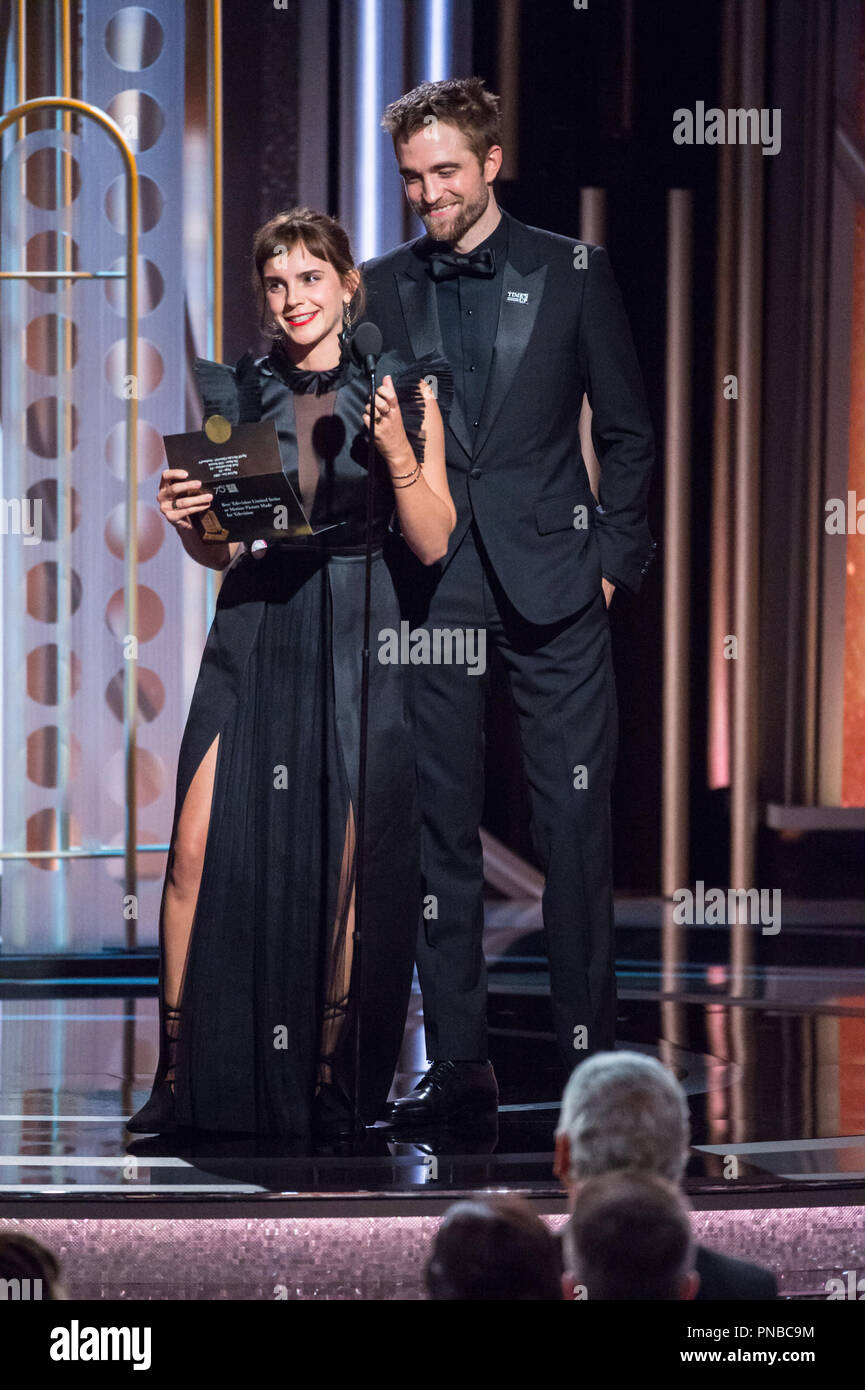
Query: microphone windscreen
{"x": 366, "y": 341}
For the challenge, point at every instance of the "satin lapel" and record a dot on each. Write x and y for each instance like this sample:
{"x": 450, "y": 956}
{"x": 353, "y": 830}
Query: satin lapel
{"x": 520, "y": 301}
{"x": 418, "y": 299}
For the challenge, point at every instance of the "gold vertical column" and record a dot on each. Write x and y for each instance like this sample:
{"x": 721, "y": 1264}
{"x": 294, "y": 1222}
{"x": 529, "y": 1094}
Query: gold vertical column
{"x": 677, "y": 557}
{"x": 21, "y": 60}
{"x": 509, "y": 85}
{"x": 130, "y": 681}
{"x": 214, "y": 67}
{"x": 720, "y": 581}
{"x": 747, "y": 469}
{"x": 66, "y": 57}
{"x": 746, "y": 446}
{"x": 213, "y": 578}
{"x": 64, "y": 483}
{"x": 731, "y": 1028}
{"x": 593, "y": 215}
{"x": 820, "y": 99}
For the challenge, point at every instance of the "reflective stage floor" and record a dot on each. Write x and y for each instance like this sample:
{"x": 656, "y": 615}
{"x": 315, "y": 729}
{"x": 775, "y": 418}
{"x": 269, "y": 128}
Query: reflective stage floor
{"x": 767, "y": 1035}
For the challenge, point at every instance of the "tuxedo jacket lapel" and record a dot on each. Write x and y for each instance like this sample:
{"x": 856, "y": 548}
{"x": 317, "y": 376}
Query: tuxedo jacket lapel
{"x": 522, "y": 288}
{"x": 418, "y": 299}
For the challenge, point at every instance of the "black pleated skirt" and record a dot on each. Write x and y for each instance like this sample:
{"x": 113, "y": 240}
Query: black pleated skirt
{"x": 280, "y": 684}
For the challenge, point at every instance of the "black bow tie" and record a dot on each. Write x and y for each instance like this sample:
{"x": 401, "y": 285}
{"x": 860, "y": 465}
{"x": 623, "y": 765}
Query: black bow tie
{"x": 447, "y": 265}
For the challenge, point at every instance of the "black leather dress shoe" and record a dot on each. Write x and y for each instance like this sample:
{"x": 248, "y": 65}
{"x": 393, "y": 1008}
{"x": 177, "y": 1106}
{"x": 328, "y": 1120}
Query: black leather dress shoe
{"x": 450, "y": 1092}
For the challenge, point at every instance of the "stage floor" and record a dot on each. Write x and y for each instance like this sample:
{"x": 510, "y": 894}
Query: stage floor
{"x": 771, "y": 1053}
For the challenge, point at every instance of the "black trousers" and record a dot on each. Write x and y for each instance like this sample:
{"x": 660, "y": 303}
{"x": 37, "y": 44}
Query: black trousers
{"x": 561, "y": 676}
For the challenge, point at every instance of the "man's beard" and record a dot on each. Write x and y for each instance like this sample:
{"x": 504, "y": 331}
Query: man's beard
{"x": 468, "y": 215}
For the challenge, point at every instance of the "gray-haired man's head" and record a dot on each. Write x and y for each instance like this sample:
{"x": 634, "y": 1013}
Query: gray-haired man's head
{"x": 621, "y": 1110}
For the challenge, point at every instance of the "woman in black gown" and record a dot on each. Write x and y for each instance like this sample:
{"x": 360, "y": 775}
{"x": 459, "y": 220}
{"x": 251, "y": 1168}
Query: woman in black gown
{"x": 259, "y": 1002}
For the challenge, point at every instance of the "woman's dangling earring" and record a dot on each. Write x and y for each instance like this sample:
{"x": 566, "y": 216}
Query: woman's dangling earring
{"x": 346, "y": 320}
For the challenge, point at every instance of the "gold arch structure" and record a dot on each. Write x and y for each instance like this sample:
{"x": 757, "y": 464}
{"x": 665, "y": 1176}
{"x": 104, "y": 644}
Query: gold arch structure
{"x": 130, "y": 275}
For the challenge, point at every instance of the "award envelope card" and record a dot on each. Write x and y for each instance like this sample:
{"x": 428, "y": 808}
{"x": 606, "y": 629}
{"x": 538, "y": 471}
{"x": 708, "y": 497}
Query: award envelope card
{"x": 252, "y": 498}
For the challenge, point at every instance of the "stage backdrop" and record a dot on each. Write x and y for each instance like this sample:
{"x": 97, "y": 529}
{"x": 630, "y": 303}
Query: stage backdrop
{"x": 64, "y": 427}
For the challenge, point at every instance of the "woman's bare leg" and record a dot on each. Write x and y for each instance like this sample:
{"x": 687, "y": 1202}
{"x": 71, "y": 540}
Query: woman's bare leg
{"x": 184, "y": 875}
{"x": 338, "y": 971}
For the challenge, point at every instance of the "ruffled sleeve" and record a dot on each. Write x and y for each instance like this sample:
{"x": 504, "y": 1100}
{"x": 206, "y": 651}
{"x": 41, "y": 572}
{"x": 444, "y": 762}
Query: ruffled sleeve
{"x": 217, "y": 387}
{"x": 249, "y": 387}
{"x": 436, "y": 372}
{"x": 234, "y": 392}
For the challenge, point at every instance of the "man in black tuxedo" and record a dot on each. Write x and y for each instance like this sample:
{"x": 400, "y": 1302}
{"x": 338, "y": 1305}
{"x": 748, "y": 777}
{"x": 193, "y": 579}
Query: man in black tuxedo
{"x": 529, "y": 322}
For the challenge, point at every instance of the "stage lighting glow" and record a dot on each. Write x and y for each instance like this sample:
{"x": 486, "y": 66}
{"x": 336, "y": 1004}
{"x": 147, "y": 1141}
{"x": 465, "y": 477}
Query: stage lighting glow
{"x": 437, "y": 26}
{"x": 369, "y": 111}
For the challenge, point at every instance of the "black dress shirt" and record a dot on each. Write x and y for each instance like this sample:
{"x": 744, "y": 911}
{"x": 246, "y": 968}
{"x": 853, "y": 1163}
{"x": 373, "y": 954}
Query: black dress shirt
{"x": 468, "y": 310}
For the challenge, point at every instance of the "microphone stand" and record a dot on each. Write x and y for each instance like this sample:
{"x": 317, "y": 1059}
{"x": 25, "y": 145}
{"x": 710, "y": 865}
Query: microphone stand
{"x": 360, "y": 821}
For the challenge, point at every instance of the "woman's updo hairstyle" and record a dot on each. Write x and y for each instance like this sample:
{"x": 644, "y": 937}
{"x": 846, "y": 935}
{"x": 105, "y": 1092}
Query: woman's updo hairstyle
{"x": 323, "y": 238}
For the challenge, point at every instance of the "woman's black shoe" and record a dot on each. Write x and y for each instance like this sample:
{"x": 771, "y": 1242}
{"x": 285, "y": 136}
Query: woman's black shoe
{"x": 157, "y": 1115}
{"x": 331, "y": 1113}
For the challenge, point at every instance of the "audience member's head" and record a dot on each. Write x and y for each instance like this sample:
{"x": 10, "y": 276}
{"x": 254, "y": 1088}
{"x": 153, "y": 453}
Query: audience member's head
{"x": 621, "y": 1110}
{"x": 495, "y": 1248}
{"x": 630, "y": 1238}
{"x": 24, "y": 1259}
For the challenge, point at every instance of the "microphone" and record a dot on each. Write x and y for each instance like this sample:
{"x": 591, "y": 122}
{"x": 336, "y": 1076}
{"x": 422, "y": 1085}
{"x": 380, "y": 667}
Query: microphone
{"x": 365, "y": 346}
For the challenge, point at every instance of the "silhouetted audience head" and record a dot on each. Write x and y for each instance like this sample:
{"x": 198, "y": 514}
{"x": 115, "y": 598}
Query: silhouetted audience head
{"x": 630, "y": 1238}
{"x": 621, "y": 1110}
{"x": 35, "y": 1269}
{"x": 496, "y": 1248}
